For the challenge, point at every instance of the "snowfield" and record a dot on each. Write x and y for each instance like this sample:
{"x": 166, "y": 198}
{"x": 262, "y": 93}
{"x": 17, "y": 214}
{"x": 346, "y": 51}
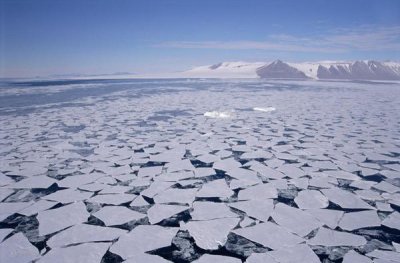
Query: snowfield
{"x": 200, "y": 170}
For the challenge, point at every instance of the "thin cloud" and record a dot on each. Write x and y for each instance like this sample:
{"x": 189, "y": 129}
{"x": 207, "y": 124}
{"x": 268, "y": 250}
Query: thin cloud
{"x": 341, "y": 40}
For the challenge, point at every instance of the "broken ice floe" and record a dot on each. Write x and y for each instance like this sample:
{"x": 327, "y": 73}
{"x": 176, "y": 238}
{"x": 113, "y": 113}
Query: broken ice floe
{"x": 316, "y": 180}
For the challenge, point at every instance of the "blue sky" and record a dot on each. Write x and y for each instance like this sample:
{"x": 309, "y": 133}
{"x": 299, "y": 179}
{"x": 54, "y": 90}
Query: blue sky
{"x": 43, "y": 37}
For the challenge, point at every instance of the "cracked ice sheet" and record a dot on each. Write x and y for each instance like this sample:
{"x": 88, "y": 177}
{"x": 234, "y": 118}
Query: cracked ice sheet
{"x": 258, "y": 209}
{"x": 211, "y": 234}
{"x": 332, "y": 238}
{"x": 269, "y": 235}
{"x": 345, "y": 199}
{"x": 54, "y": 220}
{"x": 17, "y": 249}
{"x": 112, "y": 199}
{"x": 390, "y": 256}
{"x": 297, "y": 253}
{"x": 210, "y": 210}
{"x": 216, "y": 188}
{"x": 84, "y": 233}
{"x": 258, "y": 192}
{"x": 143, "y": 238}
{"x": 159, "y": 212}
{"x": 88, "y": 253}
{"x": 311, "y": 199}
{"x": 352, "y": 256}
{"x": 117, "y": 215}
{"x": 357, "y": 220}
{"x": 176, "y": 195}
{"x": 295, "y": 220}
{"x": 207, "y": 258}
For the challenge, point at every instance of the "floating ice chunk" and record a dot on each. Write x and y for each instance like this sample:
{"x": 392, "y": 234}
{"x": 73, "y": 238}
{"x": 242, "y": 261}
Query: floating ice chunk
{"x": 207, "y": 258}
{"x": 117, "y": 215}
{"x": 258, "y": 209}
{"x": 332, "y": 238}
{"x": 176, "y": 195}
{"x": 5, "y": 180}
{"x": 208, "y": 158}
{"x": 143, "y": 238}
{"x": 204, "y": 172}
{"x": 384, "y": 207}
{"x": 396, "y": 246}
{"x": 78, "y": 180}
{"x": 175, "y": 176}
{"x": 181, "y": 165}
{"x": 369, "y": 195}
{"x": 296, "y": 220}
{"x": 143, "y": 257}
{"x": 93, "y": 187}
{"x": 210, "y": 210}
{"x": 243, "y": 174}
{"x": 390, "y": 256}
{"x": 159, "y": 212}
{"x": 216, "y": 188}
{"x": 139, "y": 201}
{"x": 386, "y": 187}
{"x": 156, "y": 187}
{"x": 5, "y": 193}
{"x": 345, "y": 199}
{"x": 112, "y": 199}
{"x": 150, "y": 171}
{"x": 5, "y": 232}
{"x": 266, "y": 171}
{"x": 219, "y": 114}
{"x": 328, "y": 217}
{"x": 226, "y": 164}
{"x": 115, "y": 189}
{"x": 311, "y": 199}
{"x": 40, "y": 205}
{"x": 18, "y": 249}
{"x": 297, "y": 253}
{"x": 365, "y": 185}
{"x": 269, "y": 235}
{"x": 7, "y": 209}
{"x": 54, "y": 220}
{"x": 357, "y": 220}
{"x": 68, "y": 196}
{"x": 340, "y": 174}
{"x": 392, "y": 221}
{"x": 258, "y": 192}
{"x": 39, "y": 181}
{"x": 266, "y": 109}
{"x": 291, "y": 171}
{"x": 211, "y": 234}
{"x": 88, "y": 253}
{"x": 84, "y": 233}
{"x": 260, "y": 258}
{"x": 352, "y": 257}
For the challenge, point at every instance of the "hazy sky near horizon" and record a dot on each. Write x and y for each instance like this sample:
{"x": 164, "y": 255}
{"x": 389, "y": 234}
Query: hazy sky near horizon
{"x": 44, "y": 37}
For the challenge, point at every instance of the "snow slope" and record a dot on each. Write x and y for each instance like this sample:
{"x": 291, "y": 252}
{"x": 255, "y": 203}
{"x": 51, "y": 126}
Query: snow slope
{"x": 340, "y": 70}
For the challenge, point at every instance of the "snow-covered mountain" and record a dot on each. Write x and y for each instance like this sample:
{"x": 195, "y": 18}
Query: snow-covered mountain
{"x": 356, "y": 70}
{"x": 226, "y": 70}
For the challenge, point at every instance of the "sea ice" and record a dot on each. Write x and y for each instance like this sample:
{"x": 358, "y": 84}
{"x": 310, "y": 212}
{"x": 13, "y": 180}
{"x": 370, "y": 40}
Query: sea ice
{"x": 84, "y": 233}
{"x": 17, "y": 249}
{"x": 311, "y": 199}
{"x": 143, "y": 238}
{"x": 54, "y": 220}
{"x": 332, "y": 238}
{"x": 269, "y": 235}
{"x": 159, "y": 212}
{"x": 117, "y": 215}
{"x": 211, "y": 234}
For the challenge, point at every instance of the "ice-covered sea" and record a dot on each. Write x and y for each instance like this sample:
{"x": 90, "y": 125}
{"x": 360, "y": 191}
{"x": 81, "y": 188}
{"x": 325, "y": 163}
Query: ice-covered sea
{"x": 199, "y": 171}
